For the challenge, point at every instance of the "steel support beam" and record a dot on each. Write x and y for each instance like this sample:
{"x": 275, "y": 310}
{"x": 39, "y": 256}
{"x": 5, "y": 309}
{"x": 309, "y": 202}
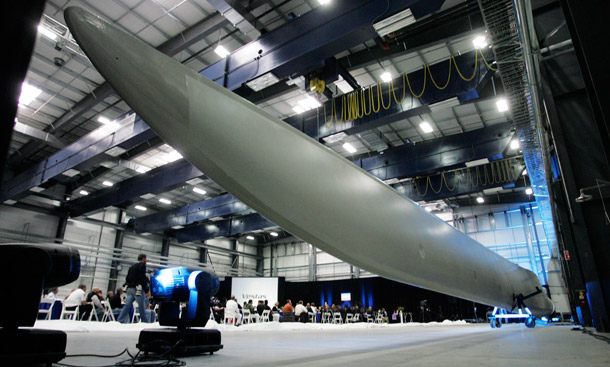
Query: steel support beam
{"x": 225, "y": 228}
{"x": 309, "y": 122}
{"x": 39, "y": 135}
{"x": 295, "y": 47}
{"x": 165, "y": 249}
{"x": 220, "y": 206}
{"x": 129, "y": 191}
{"x": 114, "y": 266}
{"x": 460, "y": 182}
{"x": 171, "y": 47}
{"x": 61, "y": 229}
{"x": 83, "y": 150}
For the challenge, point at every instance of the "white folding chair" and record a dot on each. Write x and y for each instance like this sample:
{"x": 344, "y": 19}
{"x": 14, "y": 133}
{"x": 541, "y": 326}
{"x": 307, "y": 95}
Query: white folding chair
{"x": 247, "y": 319}
{"x": 230, "y": 318}
{"x": 46, "y": 311}
{"x": 136, "y": 313}
{"x": 370, "y": 318}
{"x": 312, "y": 317}
{"x": 265, "y": 316}
{"x": 326, "y": 317}
{"x": 356, "y": 318}
{"x": 72, "y": 314}
{"x": 108, "y": 314}
{"x": 93, "y": 314}
{"x": 349, "y": 318}
{"x": 379, "y": 319}
{"x": 337, "y": 318}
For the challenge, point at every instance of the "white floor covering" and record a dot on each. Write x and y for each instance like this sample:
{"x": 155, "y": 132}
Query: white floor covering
{"x": 413, "y": 344}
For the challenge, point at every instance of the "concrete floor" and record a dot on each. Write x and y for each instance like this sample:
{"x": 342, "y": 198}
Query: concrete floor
{"x": 394, "y": 345}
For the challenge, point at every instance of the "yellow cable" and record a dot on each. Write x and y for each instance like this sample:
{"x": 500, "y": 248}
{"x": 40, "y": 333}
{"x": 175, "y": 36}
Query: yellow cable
{"x": 404, "y": 95}
{"x": 486, "y": 63}
{"x": 363, "y": 98}
{"x": 434, "y": 82}
{"x": 476, "y": 66}
{"x": 390, "y": 86}
{"x": 423, "y": 89}
{"x": 372, "y": 101}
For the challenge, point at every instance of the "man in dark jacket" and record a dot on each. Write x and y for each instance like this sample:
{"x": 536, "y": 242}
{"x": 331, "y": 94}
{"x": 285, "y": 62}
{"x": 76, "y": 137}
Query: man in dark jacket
{"x": 137, "y": 287}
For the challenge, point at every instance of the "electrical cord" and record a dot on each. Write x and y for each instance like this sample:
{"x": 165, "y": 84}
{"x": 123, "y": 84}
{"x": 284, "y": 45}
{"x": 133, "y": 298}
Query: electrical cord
{"x": 596, "y": 336}
{"x": 147, "y": 360}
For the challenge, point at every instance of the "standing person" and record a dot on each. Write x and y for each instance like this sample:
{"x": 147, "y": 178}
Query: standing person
{"x": 137, "y": 287}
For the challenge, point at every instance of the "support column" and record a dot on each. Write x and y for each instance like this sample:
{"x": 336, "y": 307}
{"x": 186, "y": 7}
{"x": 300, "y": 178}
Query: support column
{"x": 203, "y": 255}
{"x": 528, "y": 241}
{"x": 312, "y": 263}
{"x": 165, "y": 249}
{"x": 61, "y": 229}
{"x": 116, "y": 255}
{"x": 234, "y": 258}
{"x": 260, "y": 262}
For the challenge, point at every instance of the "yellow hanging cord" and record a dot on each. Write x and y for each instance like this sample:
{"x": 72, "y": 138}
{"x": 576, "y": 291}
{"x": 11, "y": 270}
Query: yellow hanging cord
{"x": 476, "y": 67}
{"x": 372, "y": 100}
{"x": 363, "y": 98}
{"x": 486, "y": 63}
{"x": 411, "y": 90}
{"x": 390, "y": 86}
{"x": 404, "y": 95}
{"x": 434, "y": 82}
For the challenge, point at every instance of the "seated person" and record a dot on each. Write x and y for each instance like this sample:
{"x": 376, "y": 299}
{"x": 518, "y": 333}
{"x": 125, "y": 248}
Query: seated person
{"x": 260, "y": 308}
{"x": 151, "y": 316}
{"x": 96, "y": 302}
{"x": 232, "y": 308}
{"x": 288, "y": 306}
{"x": 52, "y": 293}
{"x": 300, "y": 312}
{"x": 78, "y": 299}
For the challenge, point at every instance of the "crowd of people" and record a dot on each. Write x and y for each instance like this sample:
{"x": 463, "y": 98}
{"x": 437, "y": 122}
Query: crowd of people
{"x": 301, "y": 312}
{"x": 121, "y": 302}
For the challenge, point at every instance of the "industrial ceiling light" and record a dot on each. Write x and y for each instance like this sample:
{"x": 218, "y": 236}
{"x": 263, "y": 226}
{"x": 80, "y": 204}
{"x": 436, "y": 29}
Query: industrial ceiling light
{"x": 103, "y": 120}
{"x": 502, "y": 105}
{"x": 324, "y": 2}
{"x": 172, "y": 156}
{"x": 308, "y": 103}
{"x": 529, "y": 191}
{"x": 350, "y": 148}
{"x": 47, "y": 32}
{"x": 479, "y": 42}
{"x": 165, "y": 201}
{"x": 262, "y": 82}
{"x": 142, "y": 169}
{"x": 480, "y": 200}
{"x": 83, "y": 192}
{"x": 298, "y": 109}
{"x": 274, "y": 234}
{"x": 28, "y": 93}
{"x": 107, "y": 183}
{"x": 199, "y": 191}
{"x": 140, "y": 208}
{"x": 426, "y": 127}
{"x": 221, "y": 51}
{"x": 386, "y": 77}
{"x": 250, "y": 238}
{"x": 514, "y": 144}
